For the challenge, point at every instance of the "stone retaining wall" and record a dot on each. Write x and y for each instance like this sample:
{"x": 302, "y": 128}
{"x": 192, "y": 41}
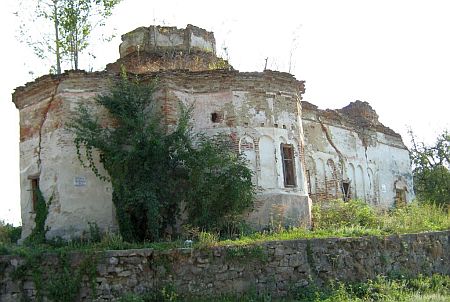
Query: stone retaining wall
{"x": 273, "y": 266}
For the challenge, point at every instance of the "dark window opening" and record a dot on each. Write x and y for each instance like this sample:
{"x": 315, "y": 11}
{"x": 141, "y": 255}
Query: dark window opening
{"x": 308, "y": 178}
{"x": 284, "y": 126}
{"x": 34, "y": 192}
{"x": 215, "y": 117}
{"x": 346, "y": 190}
{"x": 275, "y": 125}
{"x": 400, "y": 197}
{"x": 287, "y": 154}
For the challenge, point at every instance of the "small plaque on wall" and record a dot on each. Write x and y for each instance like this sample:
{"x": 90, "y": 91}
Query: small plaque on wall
{"x": 79, "y": 181}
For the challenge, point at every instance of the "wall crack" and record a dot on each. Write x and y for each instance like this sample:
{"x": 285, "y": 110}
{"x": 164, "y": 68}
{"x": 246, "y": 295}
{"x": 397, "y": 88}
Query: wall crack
{"x": 41, "y": 124}
{"x": 328, "y": 136}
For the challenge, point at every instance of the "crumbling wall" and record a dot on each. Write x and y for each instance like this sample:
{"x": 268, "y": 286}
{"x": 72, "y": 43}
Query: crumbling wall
{"x": 276, "y": 267}
{"x": 154, "y": 48}
{"x": 259, "y": 111}
{"x": 48, "y": 154}
{"x": 164, "y": 38}
{"x": 350, "y": 154}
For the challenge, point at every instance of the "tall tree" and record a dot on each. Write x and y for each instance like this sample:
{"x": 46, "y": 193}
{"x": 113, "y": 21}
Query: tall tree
{"x": 432, "y": 169}
{"x": 72, "y": 22}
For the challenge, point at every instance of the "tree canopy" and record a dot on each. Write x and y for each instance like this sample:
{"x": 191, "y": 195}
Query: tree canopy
{"x": 158, "y": 176}
{"x": 431, "y": 169}
{"x": 70, "y": 24}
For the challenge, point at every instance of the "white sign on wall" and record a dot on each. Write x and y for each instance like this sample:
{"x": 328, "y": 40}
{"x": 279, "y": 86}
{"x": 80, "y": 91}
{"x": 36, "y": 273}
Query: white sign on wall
{"x": 383, "y": 188}
{"x": 79, "y": 181}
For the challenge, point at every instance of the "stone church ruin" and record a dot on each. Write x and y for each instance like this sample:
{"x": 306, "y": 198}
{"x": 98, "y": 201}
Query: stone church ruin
{"x": 299, "y": 154}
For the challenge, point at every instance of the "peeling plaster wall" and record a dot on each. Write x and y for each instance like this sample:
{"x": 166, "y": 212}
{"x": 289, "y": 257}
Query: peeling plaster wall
{"x": 371, "y": 159}
{"x": 259, "y": 111}
{"x": 47, "y": 151}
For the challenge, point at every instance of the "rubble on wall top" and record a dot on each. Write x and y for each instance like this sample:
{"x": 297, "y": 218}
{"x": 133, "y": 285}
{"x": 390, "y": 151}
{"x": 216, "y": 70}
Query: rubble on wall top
{"x": 357, "y": 115}
{"x": 160, "y": 39}
{"x": 52, "y": 79}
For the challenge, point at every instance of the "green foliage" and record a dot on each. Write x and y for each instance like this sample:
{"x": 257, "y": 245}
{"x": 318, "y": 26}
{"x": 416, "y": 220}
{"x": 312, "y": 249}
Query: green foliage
{"x": 153, "y": 171}
{"x": 41, "y": 211}
{"x": 416, "y": 217}
{"x": 63, "y": 285}
{"x": 246, "y": 253}
{"x": 423, "y": 288}
{"x": 75, "y": 24}
{"x": 206, "y": 240}
{"x": 69, "y": 26}
{"x": 220, "y": 64}
{"x": 164, "y": 294}
{"x": 356, "y": 219}
{"x": 338, "y": 214}
{"x": 378, "y": 289}
{"x": 432, "y": 169}
{"x": 9, "y": 233}
{"x": 64, "y": 281}
{"x": 220, "y": 184}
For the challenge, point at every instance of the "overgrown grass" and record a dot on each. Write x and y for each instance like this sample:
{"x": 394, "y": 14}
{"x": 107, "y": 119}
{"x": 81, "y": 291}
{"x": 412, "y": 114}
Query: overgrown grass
{"x": 423, "y": 288}
{"x": 107, "y": 242}
{"x": 332, "y": 219}
{"x": 355, "y": 219}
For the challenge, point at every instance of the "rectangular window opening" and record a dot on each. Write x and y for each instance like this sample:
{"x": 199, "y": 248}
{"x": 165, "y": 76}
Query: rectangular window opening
{"x": 34, "y": 192}
{"x": 287, "y": 153}
{"x": 400, "y": 197}
{"x": 308, "y": 176}
{"x": 346, "y": 190}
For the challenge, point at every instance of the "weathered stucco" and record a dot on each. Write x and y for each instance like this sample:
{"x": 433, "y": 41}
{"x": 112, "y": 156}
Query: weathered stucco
{"x": 259, "y": 111}
{"x": 351, "y": 146}
{"x": 262, "y": 112}
{"x": 48, "y": 152}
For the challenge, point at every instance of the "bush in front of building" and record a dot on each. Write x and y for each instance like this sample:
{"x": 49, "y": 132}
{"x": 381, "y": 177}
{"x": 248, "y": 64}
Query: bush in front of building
{"x": 160, "y": 176}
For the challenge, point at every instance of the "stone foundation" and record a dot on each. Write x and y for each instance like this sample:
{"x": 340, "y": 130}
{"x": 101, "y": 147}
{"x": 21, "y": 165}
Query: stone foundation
{"x": 272, "y": 267}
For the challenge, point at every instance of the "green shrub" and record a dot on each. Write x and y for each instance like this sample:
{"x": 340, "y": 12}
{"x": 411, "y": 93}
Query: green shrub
{"x": 337, "y": 214}
{"x": 9, "y": 233}
{"x": 416, "y": 217}
{"x": 206, "y": 239}
{"x": 153, "y": 170}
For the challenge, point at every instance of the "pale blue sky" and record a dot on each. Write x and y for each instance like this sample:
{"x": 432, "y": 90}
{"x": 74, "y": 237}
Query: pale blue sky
{"x": 395, "y": 54}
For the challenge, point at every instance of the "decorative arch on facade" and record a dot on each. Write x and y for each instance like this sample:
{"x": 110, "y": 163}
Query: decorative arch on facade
{"x": 310, "y": 174}
{"x": 352, "y": 177}
{"x": 248, "y": 148}
{"x": 299, "y": 165}
{"x": 321, "y": 179}
{"x": 268, "y": 176}
{"x": 400, "y": 188}
{"x": 361, "y": 183}
{"x": 332, "y": 179}
{"x": 371, "y": 186}
{"x": 283, "y": 140}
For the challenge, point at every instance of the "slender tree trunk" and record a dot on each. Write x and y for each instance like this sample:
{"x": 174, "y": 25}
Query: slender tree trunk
{"x": 56, "y": 23}
{"x": 75, "y": 52}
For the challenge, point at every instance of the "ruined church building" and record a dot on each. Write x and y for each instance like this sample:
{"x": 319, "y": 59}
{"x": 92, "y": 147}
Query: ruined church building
{"x": 299, "y": 154}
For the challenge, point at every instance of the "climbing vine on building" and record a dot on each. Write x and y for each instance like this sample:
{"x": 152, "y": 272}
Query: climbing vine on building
{"x": 155, "y": 173}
